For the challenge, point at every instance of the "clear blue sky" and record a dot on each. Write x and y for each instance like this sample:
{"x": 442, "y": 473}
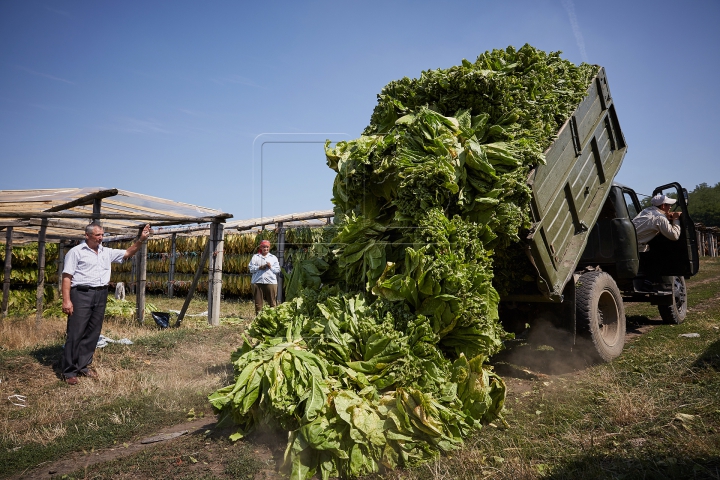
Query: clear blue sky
{"x": 191, "y": 100}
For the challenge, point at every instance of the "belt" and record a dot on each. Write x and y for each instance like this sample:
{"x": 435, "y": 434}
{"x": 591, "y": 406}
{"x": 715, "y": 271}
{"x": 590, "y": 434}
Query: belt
{"x": 85, "y": 288}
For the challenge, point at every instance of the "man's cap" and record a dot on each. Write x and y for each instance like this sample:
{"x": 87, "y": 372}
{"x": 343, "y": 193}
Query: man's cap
{"x": 265, "y": 242}
{"x": 659, "y": 199}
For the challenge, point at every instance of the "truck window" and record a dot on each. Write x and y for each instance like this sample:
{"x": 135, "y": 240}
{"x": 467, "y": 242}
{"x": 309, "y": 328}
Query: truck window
{"x": 632, "y": 211}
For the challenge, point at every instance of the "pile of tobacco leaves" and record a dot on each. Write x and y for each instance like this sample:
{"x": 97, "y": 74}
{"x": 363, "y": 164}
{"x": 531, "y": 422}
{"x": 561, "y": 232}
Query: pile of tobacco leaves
{"x": 378, "y": 360}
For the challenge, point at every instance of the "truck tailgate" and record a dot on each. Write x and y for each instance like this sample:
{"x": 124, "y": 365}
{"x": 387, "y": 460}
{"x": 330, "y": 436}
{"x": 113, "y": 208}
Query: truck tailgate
{"x": 569, "y": 191}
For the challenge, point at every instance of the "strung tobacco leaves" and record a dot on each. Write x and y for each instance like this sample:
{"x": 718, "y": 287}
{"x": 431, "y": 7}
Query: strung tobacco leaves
{"x": 377, "y": 361}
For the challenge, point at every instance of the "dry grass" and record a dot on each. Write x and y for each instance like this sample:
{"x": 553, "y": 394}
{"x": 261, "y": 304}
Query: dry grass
{"x": 168, "y": 372}
{"x": 621, "y": 405}
{"x": 229, "y": 307}
{"x": 20, "y": 333}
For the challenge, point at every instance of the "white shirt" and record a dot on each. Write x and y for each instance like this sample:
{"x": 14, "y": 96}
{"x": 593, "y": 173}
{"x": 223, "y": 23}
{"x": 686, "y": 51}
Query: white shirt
{"x": 652, "y": 221}
{"x": 90, "y": 268}
{"x": 267, "y": 275}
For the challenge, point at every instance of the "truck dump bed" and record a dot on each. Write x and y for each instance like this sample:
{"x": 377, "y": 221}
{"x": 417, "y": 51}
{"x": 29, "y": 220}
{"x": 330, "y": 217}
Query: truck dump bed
{"x": 569, "y": 191}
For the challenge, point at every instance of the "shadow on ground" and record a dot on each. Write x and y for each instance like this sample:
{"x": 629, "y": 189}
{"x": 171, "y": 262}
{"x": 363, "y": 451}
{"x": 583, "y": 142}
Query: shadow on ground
{"x": 49, "y": 356}
{"x": 595, "y": 466}
{"x": 710, "y": 357}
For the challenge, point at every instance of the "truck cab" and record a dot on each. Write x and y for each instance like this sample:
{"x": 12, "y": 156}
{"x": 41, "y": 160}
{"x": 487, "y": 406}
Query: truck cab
{"x": 656, "y": 276}
{"x": 641, "y": 277}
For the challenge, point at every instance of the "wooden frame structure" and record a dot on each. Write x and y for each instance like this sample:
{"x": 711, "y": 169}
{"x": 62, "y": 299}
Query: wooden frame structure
{"x": 708, "y": 240}
{"x": 281, "y": 222}
{"x": 53, "y": 214}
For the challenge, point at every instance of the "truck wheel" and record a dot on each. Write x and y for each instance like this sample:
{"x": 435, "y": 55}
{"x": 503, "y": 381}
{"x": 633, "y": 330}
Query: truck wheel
{"x": 675, "y": 313}
{"x": 600, "y": 314}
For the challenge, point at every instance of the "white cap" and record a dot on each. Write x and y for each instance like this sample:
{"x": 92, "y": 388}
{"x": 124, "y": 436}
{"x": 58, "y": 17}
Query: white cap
{"x": 659, "y": 199}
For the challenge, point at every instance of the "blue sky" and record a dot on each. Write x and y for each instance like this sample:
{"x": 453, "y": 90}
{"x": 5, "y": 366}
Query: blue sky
{"x": 192, "y": 100}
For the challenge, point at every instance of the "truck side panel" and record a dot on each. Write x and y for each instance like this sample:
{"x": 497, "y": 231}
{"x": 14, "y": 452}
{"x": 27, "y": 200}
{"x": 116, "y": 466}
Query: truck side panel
{"x": 570, "y": 190}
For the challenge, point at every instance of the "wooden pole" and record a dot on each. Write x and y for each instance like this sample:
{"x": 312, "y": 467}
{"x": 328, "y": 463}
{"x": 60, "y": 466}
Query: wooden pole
{"x": 711, "y": 243}
{"x": 60, "y": 264}
{"x": 261, "y": 222}
{"x": 707, "y": 243}
{"x": 116, "y": 216}
{"x": 142, "y": 280}
{"x": 193, "y": 286}
{"x": 84, "y": 200}
{"x": 133, "y": 275}
{"x": 7, "y": 271}
{"x": 215, "y": 272}
{"x": 171, "y": 273}
{"x": 41, "y": 274}
{"x": 698, "y": 236}
{"x": 97, "y": 203}
{"x": 281, "y": 260}
{"x": 706, "y": 249}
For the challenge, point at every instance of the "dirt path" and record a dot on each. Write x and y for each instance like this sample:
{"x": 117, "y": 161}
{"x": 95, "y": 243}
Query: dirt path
{"x": 80, "y": 460}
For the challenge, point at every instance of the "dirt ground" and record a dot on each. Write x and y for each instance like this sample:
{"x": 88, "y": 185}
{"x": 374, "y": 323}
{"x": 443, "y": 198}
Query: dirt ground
{"x": 84, "y": 460}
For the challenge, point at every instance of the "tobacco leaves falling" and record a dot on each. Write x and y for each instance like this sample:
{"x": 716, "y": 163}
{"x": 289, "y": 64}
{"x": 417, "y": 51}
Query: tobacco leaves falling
{"x": 378, "y": 359}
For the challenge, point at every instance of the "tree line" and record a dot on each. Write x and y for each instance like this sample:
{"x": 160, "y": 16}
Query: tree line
{"x": 704, "y": 205}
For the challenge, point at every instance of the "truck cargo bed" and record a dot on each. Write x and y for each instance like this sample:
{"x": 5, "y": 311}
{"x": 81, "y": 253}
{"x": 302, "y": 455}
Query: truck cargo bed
{"x": 569, "y": 191}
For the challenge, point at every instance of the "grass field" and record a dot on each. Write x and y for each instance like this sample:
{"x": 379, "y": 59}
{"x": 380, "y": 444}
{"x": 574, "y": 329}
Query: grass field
{"x": 652, "y": 413}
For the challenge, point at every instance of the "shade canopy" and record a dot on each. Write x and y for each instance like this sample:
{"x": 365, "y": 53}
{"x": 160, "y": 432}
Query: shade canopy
{"x": 67, "y": 211}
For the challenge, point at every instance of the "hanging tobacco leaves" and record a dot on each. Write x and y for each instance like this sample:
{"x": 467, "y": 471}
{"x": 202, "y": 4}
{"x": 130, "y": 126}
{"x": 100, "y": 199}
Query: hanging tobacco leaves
{"x": 377, "y": 361}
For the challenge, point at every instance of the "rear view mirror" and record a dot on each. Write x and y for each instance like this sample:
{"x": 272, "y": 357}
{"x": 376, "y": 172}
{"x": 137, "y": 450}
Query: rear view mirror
{"x": 685, "y": 194}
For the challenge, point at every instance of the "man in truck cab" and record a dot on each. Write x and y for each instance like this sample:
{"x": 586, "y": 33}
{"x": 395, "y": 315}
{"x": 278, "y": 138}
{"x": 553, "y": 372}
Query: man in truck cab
{"x": 657, "y": 219}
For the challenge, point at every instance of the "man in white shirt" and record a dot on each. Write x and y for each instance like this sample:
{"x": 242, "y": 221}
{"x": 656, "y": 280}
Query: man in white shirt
{"x": 264, "y": 267}
{"x": 85, "y": 279}
{"x": 657, "y": 219}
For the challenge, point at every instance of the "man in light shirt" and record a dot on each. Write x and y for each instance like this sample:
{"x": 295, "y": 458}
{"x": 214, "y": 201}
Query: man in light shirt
{"x": 264, "y": 267}
{"x": 85, "y": 279}
{"x": 657, "y": 219}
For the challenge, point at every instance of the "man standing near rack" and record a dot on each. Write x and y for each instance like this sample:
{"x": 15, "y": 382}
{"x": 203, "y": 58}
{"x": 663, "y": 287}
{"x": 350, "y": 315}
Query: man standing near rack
{"x": 85, "y": 279}
{"x": 264, "y": 267}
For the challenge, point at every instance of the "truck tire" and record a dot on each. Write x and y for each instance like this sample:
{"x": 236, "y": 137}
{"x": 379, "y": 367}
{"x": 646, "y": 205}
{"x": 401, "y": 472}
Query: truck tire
{"x": 675, "y": 314}
{"x": 600, "y": 314}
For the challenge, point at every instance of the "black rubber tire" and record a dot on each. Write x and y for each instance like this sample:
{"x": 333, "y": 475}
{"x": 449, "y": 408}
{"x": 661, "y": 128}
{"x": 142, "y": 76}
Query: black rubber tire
{"x": 601, "y": 314}
{"x": 675, "y": 314}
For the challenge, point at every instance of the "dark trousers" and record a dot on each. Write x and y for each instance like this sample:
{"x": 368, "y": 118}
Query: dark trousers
{"x": 83, "y": 330}
{"x": 266, "y": 292}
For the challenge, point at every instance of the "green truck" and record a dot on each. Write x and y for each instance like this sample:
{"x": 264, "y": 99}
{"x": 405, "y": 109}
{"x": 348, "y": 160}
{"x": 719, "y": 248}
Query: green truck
{"x": 583, "y": 244}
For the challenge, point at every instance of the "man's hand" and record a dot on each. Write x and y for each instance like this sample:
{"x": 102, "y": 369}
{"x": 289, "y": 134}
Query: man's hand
{"x": 67, "y": 306}
{"x": 145, "y": 233}
{"x": 673, "y": 215}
